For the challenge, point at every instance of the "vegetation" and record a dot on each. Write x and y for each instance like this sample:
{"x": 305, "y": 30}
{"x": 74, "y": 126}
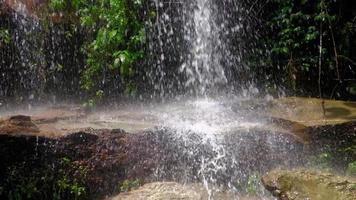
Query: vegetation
{"x": 45, "y": 182}
{"x": 253, "y": 183}
{"x": 128, "y": 185}
{"x": 308, "y": 46}
{"x": 312, "y": 42}
{"x": 5, "y": 37}
{"x": 116, "y": 36}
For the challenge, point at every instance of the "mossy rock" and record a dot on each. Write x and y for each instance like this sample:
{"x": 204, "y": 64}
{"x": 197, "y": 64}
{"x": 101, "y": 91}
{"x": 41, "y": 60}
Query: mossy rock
{"x": 302, "y": 184}
{"x": 313, "y": 112}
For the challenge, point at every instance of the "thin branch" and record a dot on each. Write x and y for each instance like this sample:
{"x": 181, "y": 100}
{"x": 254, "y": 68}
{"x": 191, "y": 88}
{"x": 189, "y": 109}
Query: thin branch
{"x": 335, "y": 50}
{"x": 333, "y": 91}
{"x": 320, "y": 56}
{"x": 348, "y": 79}
{"x": 320, "y": 60}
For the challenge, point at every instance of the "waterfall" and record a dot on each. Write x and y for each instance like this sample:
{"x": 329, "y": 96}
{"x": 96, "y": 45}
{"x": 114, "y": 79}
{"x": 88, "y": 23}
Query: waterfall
{"x": 200, "y": 48}
{"x": 203, "y": 69}
{"x": 42, "y": 58}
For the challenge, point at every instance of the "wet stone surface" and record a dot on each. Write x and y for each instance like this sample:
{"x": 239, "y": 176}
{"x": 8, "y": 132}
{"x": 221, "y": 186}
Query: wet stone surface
{"x": 199, "y": 142}
{"x": 112, "y": 156}
{"x": 302, "y": 184}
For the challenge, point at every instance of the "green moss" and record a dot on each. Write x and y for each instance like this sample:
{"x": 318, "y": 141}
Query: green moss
{"x": 300, "y": 185}
{"x": 128, "y": 185}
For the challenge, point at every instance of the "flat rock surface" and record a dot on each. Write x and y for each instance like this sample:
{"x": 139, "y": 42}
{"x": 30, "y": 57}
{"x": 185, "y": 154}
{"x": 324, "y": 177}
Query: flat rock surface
{"x": 40, "y": 122}
{"x": 310, "y": 112}
{"x": 163, "y": 191}
{"x": 176, "y": 191}
{"x": 62, "y": 120}
{"x": 289, "y": 115}
{"x": 301, "y": 185}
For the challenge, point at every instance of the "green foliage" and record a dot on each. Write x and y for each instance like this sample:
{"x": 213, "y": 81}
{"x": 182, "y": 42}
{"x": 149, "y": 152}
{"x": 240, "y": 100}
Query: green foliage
{"x": 351, "y": 88}
{"x": 45, "y": 183}
{"x": 118, "y": 40}
{"x": 65, "y": 6}
{"x": 5, "y": 37}
{"x": 298, "y": 27}
{"x": 128, "y": 185}
{"x": 93, "y": 101}
{"x": 21, "y": 187}
{"x": 116, "y": 36}
{"x": 66, "y": 184}
{"x": 302, "y": 33}
{"x": 253, "y": 183}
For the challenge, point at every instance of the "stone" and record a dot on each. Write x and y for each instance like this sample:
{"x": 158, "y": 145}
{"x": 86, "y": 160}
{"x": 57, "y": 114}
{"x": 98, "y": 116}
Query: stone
{"x": 176, "y": 191}
{"x": 48, "y": 122}
{"x": 303, "y": 184}
{"x": 163, "y": 191}
{"x": 312, "y": 111}
{"x": 26, "y": 7}
{"x": 18, "y": 125}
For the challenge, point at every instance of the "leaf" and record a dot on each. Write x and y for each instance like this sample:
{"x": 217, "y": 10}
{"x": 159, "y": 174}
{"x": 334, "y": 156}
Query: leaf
{"x": 112, "y": 34}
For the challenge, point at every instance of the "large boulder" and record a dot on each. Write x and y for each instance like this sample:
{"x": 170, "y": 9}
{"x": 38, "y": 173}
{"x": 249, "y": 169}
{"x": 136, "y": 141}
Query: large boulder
{"x": 302, "y": 184}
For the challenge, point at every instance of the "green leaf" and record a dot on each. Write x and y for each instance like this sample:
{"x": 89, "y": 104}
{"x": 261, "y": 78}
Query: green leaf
{"x": 112, "y": 34}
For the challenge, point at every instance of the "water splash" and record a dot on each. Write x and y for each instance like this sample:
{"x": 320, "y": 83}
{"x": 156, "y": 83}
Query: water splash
{"x": 203, "y": 124}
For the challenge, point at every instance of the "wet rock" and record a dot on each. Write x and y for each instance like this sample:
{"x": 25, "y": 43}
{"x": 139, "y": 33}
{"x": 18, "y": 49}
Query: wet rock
{"x": 25, "y": 7}
{"x": 336, "y": 141}
{"x": 295, "y": 129}
{"x": 53, "y": 115}
{"x": 112, "y": 156}
{"x": 102, "y": 156}
{"x": 301, "y": 185}
{"x": 311, "y": 111}
{"x": 173, "y": 190}
{"x": 163, "y": 191}
{"x": 46, "y": 122}
{"x": 18, "y": 125}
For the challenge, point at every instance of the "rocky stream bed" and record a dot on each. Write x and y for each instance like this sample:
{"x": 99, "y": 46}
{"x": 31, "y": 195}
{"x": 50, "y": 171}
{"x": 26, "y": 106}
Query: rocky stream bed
{"x": 43, "y": 156}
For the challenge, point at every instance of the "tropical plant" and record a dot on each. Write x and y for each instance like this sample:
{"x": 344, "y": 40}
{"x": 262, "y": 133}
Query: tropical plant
{"x": 115, "y": 37}
{"x": 310, "y": 42}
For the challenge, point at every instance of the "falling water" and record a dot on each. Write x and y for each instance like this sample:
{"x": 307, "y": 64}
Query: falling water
{"x": 203, "y": 68}
{"x": 217, "y": 142}
{"x": 25, "y": 69}
{"x": 42, "y": 58}
{"x": 220, "y": 144}
{"x": 199, "y": 48}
